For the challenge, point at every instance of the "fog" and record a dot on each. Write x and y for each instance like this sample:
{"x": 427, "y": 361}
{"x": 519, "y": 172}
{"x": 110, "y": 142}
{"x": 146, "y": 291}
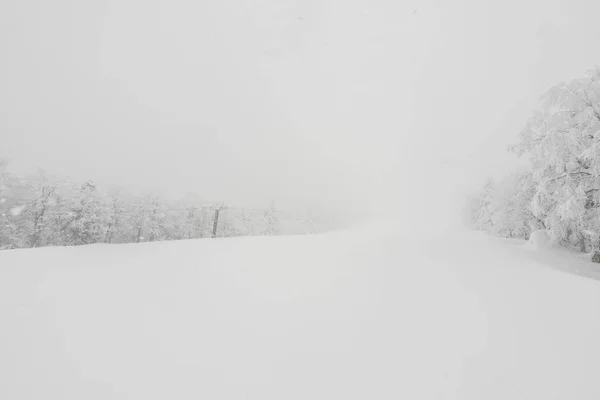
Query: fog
{"x": 363, "y": 106}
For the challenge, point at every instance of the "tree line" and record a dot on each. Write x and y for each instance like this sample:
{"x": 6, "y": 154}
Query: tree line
{"x": 559, "y": 189}
{"x": 38, "y": 211}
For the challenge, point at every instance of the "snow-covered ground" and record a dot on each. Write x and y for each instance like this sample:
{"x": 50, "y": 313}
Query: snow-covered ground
{"x": 365, "y": 314}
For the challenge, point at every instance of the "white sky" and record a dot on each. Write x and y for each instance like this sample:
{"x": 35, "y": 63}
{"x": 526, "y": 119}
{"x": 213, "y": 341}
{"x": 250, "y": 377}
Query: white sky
{"x": 332, "y": 102}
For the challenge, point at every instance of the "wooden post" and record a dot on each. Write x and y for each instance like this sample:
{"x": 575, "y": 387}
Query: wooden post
{"x": 215, "y": 223}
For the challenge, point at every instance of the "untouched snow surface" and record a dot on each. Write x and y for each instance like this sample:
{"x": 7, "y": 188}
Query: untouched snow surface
{"x": 347, "y": 315}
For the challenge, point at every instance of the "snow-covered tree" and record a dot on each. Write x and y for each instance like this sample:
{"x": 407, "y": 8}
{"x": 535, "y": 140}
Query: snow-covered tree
{"x": 156, "y": 219}
{"x": 10, "y": 236}
{"x": 511, "y": 215}
{"x": 484, "y": 220}
{"x": 34, "y": 215}
{"x": 562, "y": 142}
{"x": 246, "y": 222}
{"x": 191, "y": 226}
{"x": 271, "y": 220}
{"x": 87, "y": 214}
{"x": 115, "y": 209}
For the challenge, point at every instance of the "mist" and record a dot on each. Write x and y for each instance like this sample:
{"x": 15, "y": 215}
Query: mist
{"x": 286, "y": 199}
{"x": 364, "y": 107}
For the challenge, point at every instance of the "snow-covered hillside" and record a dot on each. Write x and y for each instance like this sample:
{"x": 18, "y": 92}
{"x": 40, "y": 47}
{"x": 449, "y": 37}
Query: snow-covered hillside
{"x": 366, "y": 314}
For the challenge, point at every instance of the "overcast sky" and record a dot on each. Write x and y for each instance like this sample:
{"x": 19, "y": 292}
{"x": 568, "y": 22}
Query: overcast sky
{"x": 299, "y": 101}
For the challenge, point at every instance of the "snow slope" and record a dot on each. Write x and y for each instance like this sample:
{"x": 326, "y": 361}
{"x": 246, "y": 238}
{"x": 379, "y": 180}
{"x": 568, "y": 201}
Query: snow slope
{"x": 368, "y": 314}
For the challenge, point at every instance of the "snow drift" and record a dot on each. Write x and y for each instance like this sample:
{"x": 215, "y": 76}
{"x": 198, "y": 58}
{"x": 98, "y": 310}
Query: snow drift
{"x": 347, "y": 315}
{"x": 539, "y": 240}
